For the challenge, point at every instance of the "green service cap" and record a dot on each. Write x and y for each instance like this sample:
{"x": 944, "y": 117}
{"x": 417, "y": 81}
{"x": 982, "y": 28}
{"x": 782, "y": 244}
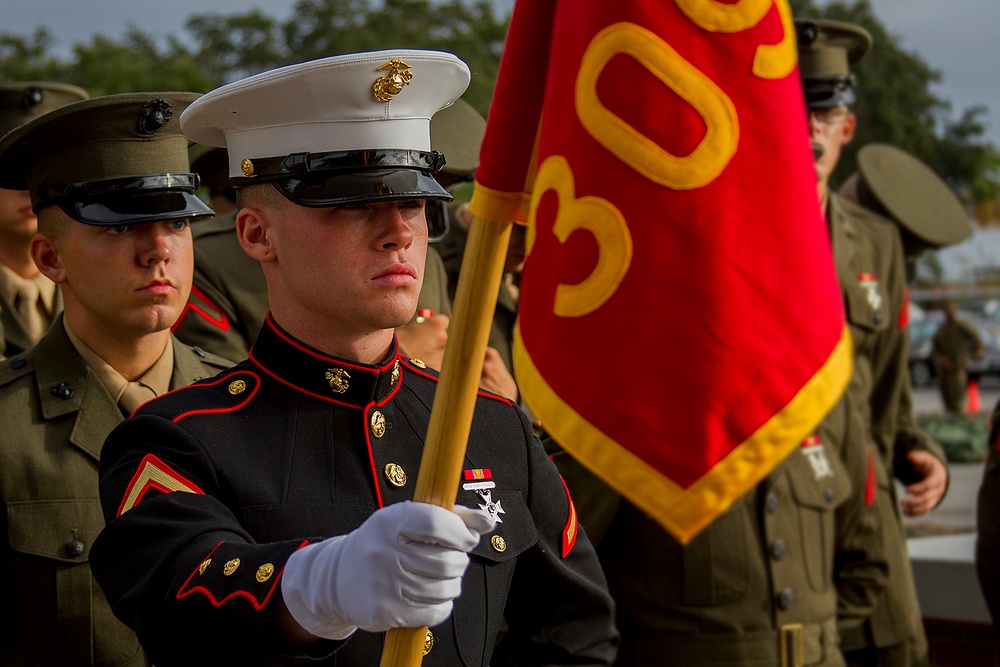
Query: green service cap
{"x": 827, "y": 50}
{"x": 22, "y": 101}
{"x": 457, "y": 131}
{"x": 901, "y": 187}
{"x": 112, "y": 160}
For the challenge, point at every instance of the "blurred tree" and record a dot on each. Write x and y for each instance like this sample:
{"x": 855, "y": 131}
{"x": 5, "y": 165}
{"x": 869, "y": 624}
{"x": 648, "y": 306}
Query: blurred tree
{"x": 28, "y": 58}
{"x": 232, "y": 47}
{"x": 105, "y": 66}
{"x": 470, "y": 30}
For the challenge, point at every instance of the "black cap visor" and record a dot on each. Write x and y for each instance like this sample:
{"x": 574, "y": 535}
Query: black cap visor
{"x": 126, "y": 201}
{"x": 321, "y": 191}
{"x": 338, "y": 178}
{"x": 827, "y": 93}
{"x": 137, "y": 209}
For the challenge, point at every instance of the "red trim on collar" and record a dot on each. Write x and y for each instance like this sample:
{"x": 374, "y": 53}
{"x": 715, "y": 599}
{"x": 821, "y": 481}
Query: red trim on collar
{"x": 219, "y": 320}
{"x": 316, "y": 355}
{"x": 231, "y": 408}
{"x": 298, "y": 388}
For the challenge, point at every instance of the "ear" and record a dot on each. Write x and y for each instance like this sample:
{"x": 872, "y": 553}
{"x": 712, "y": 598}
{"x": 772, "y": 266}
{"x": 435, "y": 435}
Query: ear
{"x": 254, "y": 230}
{"x": 847, "y": 129}
{"x": 45, "y": 254}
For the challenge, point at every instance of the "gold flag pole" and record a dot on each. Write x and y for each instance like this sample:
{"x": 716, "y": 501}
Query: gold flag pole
{"x": 455, "y": 399}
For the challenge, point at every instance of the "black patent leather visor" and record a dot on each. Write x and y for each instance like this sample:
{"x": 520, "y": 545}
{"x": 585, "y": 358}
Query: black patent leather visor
{"x": 826, "y": 93}
{"x": 132, "y": 200}
{"x": 336, "y": 178}
{"x": 367, "y": 186}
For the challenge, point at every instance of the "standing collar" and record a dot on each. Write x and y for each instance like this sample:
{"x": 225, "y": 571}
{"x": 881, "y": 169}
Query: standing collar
{"x": 307, "y": 370}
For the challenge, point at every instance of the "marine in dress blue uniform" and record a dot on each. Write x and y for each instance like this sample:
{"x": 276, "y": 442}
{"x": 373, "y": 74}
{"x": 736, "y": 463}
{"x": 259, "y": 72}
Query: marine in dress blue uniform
{"x": 232, "y": 505}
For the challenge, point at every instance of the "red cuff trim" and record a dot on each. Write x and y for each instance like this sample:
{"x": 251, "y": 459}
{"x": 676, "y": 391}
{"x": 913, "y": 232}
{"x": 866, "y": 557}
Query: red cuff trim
{"x": 258, "y": 605}
{"x": 153, "y": 473}
{"x": 871, "y": 485}
{"x": 572, "y": 527}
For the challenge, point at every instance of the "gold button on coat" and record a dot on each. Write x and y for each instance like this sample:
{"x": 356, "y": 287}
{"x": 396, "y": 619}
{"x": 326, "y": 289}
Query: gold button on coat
{"x": 230, "y": 566}
{"x": 204, "y": 565}
{"x": 264, "y": 572}
{"x": 428, "y": 642}
{"x": 378, "y": 424}
{"x": 395, "y": 474}
{"x": 498, "y": 543}
{"x": 237, "y": 387}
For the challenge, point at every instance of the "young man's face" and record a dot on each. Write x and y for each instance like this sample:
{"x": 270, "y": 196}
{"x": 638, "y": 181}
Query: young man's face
{"x": 353, "y": 270}
{"x": 17, "y": 221}
{"x": 833, "y": 129}
{"x": 129, "y": 279}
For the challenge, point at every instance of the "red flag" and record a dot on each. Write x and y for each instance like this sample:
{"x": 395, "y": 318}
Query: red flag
{"x": 680, "y": 322}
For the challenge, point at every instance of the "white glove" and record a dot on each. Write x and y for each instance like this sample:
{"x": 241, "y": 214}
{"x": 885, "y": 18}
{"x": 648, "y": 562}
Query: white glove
{"x": 401, "y": 568}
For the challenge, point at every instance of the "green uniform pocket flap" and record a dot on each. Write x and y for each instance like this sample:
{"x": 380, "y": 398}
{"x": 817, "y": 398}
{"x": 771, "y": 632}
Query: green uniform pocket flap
{"x": 818, "y": 478}
{"x": 59, "y": 529}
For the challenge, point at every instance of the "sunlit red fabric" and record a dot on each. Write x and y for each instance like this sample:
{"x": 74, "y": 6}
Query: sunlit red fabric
{"x": 710, "y": 341}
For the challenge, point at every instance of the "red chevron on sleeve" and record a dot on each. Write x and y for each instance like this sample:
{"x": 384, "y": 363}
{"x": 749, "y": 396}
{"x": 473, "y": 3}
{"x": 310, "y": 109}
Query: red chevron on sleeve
{"x": 207, "y": 309}
{"x": 572, "y": 527}
{"x": 153, "y": 473}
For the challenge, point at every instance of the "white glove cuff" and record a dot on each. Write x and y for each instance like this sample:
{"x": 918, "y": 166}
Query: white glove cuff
{"x": 301, "y": 590}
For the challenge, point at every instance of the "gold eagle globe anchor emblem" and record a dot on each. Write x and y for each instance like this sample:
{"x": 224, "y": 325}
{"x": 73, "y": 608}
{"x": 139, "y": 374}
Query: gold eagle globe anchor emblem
{"x": 338, "y": 377}
{"x": 391, "y": 84}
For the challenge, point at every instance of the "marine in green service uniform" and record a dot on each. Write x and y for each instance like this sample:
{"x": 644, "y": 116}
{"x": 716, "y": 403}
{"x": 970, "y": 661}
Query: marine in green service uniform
{"x": 875, "y": 306}
{"x": 29, "y": 301}
{"x": 110, "y": 184}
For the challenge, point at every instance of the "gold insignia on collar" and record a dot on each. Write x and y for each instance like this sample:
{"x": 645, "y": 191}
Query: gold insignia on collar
{"x": 395, "y": 373}
{"x": 418, "y": 363}
{"x": 338, "y": 378}
{"x": 246, "y": 166}
{"x": 389, "y": 85}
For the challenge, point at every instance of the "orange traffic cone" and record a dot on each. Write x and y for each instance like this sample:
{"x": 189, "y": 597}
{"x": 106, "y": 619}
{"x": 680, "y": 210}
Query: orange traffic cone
{"x": 973, "y": 394}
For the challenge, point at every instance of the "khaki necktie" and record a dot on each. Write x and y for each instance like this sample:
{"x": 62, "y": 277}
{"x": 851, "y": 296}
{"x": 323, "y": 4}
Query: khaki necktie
{"x": 29, "y": 307}
{"x": 134, "y": 395}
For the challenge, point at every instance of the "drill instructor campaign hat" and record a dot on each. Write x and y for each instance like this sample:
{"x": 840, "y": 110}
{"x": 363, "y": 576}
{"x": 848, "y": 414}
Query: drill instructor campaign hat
{"x": 338, "y": 130}
{"x": 107, "y": 161}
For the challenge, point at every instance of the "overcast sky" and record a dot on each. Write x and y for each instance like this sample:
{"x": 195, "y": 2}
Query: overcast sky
{"x": 958, "y": 37}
